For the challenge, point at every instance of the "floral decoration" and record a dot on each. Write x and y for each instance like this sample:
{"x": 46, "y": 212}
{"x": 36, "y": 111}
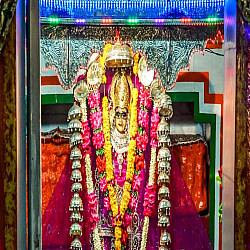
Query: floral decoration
{"x": 141, "y": 141}
{"x": 89, "y": 181}
{"x": 92, "y": 205}
{"x": 94, "y": 100}
{"x": 121, "y": 215}
{"x": 119, "y": 212}
{"x": 103, "y": 58}
{"x": 136, "y": 60}
{"x": 96, "y": 121}
{"x": 145, "y": 102}
{"x": 86, "y": 143}
{"x": 143, "y": 118}
{"x": 155, "y": 119}
{"x": 149, "y": 199}
{"x": 145, "y": 98}
{"x": 98, "y": 140}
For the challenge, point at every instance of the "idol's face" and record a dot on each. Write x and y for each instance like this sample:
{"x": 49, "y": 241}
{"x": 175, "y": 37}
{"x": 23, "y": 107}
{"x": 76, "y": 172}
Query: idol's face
{"x": 121, "y": 115}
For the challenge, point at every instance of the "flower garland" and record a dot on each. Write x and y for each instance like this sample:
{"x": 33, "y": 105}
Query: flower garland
{"x": 98, "y": 141}
{"x": 143, "y": 120}
{"x": 141, "y": 143}
{"x": 136, "y": 60}
{"x": 149, "y": 197}
{"x": 103, "y": 58}
{"x": 89, "y": 182}
{"x": 118, "y": 214}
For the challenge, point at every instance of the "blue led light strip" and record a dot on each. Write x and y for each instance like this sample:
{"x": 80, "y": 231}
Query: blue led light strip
{"x": 124, "y": 9}
{"x": 132, "y": 22}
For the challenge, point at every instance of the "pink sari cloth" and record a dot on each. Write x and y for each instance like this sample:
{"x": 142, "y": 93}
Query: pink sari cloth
{"x": 187, "y": 230}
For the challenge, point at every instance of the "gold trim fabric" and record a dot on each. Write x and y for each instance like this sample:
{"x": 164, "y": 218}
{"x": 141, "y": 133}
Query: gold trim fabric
{"x": 8, "y": 145}
{"x": 8, "y": 8}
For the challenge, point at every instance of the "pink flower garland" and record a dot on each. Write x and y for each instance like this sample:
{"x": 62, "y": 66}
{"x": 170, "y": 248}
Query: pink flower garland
{"x": 86, "y": 144}
{"x": 143, "y": 120}
{"x": 145, "y": 98}
{"x": 155, "y": 119}
{"x": 92, "y": 206}
{"x": 92, "y": 201}
{"x": 98, "y": 142}
{"x": 141, "y": 144}
{"x": 149, "y": 199}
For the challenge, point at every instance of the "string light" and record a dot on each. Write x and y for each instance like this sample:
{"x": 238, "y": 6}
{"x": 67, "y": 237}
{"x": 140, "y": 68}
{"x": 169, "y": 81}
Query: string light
{"x": 54, "y": 20}
{"x": 80, "y": 21}
{"x": 153, "y": 9}
{"x": 106, "y": 21}
{"x": 133, "y": 21}
{"x": 186, "y": 20}
{"x": 212, "y": 19}
{"x": 159, "y": 21}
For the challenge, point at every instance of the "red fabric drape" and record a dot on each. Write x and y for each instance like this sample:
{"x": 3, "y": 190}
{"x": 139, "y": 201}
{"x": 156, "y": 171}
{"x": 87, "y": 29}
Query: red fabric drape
{"x": 54, "y": 157}
{"x": 192, "y": 159}
{"x": 56, "y": 194}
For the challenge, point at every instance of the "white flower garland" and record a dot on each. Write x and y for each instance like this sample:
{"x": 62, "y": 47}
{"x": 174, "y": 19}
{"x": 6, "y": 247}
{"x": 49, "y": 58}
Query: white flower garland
{"x": 89, "y": 181}
{"x": 151, "y": 181}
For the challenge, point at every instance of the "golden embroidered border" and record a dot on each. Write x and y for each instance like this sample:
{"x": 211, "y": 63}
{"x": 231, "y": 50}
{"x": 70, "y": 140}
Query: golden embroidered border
{"x": 9, "y": 128}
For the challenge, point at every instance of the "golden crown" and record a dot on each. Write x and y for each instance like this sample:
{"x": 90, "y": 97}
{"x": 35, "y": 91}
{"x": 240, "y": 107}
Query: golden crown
{"x": 121, "y": 90}
{"x": 119, "y": 55}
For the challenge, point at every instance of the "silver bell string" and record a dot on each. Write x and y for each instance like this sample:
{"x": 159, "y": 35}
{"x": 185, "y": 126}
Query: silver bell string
{"x": 164, "y": 169}
{"x": 76, "y": 205}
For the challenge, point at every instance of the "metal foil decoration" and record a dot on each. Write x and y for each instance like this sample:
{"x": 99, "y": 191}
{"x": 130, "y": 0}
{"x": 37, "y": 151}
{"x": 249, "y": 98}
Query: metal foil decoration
{"x": 94, "y": 75}
{"x": 119, "y": 55}
{"x": 163, "y": 158}
{"x": 168, "y": 49}
{"x": 76, "y": 205}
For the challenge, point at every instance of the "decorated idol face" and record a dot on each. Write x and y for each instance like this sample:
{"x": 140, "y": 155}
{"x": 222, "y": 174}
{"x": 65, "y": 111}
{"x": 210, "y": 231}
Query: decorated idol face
{"x": 121, "y": 115}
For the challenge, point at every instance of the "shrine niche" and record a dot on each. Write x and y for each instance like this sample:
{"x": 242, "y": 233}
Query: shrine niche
{"x": 127, "y": 191}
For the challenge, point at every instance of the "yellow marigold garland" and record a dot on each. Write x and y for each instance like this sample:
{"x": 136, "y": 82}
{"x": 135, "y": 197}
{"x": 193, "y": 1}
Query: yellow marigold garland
{"x": 103, "y": 57}
{"x": 136, "y": 60}
{"x": 130, "y": 164}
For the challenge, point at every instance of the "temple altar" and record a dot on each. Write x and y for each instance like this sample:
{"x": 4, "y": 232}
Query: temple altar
{"x": 121, "y": 123}
{"x": 116, "y": 206}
